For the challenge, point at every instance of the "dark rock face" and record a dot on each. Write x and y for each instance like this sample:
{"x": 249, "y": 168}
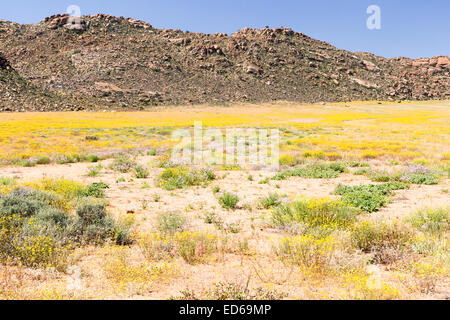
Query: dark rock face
{"x": 4, "y": 64}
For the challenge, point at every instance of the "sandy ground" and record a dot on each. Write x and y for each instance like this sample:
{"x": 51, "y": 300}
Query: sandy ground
{"x": 136, "y": 195}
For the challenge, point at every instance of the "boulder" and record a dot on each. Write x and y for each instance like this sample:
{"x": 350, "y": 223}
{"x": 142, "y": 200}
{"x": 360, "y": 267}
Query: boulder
{"x": 252, "y": 69}
{"x": 4, "y": 64}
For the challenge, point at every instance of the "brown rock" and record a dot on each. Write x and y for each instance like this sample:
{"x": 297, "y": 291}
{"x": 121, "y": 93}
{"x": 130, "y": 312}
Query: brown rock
{"x": 252, "y": 69}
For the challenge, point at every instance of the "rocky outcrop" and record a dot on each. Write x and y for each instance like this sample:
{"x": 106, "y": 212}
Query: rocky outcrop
{"x": 4, "y": 64}
{"x": 113, "y": 62}
{"x": 64, "y": 20}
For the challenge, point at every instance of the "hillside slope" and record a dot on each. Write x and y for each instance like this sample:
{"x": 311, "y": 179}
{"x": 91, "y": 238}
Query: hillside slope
{"x": 112, "y": 62}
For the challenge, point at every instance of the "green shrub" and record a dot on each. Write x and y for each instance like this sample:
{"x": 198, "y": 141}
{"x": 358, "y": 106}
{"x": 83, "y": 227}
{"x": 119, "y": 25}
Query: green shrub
{"x": 171, "y": 222}
{"x": 421, "y": 178}
{"x": 91, "y": 212}
{"x": 7, "y": 181}
{"x": 431, "y": 220}
{"x": 96, "y": 190}
{"x": 229, "y": 200}
{"x": 369, "y": 198}
{"x": 123, "y": 165}
{"x": 94, "y": 171}
{"x": 51, "y": 217}
{"x": 379, "y": 238}
{"x": 356, "y": 164}
{"x": 92, "y": 158}
{"x": 361, "y": 172}
{"x": 24, "y": 202}
{"x": 140, "y": 172}
{"x": 181, "y": 177}
{"x": 241, "y": 291}
{"x": 272, "y": 200}
{"x": 289, "y": 160}
{"x": 43, "y": 160}
{"x": 382, "y": 176}
{"x": 322, "y": 213}
{"x": 37, "y": 232}
{"x": 94, "y": 225}
{"x": 195, "y": 247}
{"x": 414, "y": 173}
{"x": 316, "y": 171}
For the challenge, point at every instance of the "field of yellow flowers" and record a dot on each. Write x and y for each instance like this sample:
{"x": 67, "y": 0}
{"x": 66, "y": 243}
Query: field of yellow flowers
{"x": 354, "y": 130}
{"x": 91, "y": 206}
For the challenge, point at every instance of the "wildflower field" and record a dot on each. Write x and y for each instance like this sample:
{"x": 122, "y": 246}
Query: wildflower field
{"x": 91, "y": 205}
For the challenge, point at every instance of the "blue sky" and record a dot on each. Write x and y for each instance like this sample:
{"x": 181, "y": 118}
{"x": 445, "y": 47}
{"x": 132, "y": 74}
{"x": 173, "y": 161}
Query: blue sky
{"x": 412, "y": 28}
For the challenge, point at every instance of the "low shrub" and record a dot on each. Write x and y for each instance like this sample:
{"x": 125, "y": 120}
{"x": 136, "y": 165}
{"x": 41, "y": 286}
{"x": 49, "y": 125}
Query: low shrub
{"x": 157, "y": 246}
{"x": 95, "y": 226}
{"x": 34, "y": 241}
{"x": 427, "y": 275}
{"x": 68, "y": 190}
{"x": 135, "y": 277}
{"x": 7, "y": 181}
{"x": 323, "y": 213}
{"x": 431, "y": 220}
{"x": 419, "y": 174}
{"x": 171, "y": 222}
{"x": 43, "y": 160}
{"x": 25, "y": 202}
{"x": 382, "y": 176}
{"x": 96, "y": 190}
{"x": 94, "y": 171}
{"x": 369, "y": 198}
{"x": 357, "y": 164}
{"x": 64, "y": 159}
{"x": 361, "y": 172}
{"x": 41, "y": 251}
{"x": 123, "y": 165}
{"x": 92, "y": 158}
{"x": 36, "y": 231}
{"x": 196, "y": 247}
{"x": 181, "y": 177}
{"x": 414, "y": 173}
{"x": 430, "y": 244}
{"x": 140, "y": 172}
{"x": 272, "y": 200}
{"x": 313, "y": 254}
{"x": 316, "y": 171}
{"x": 386, "y": 241}
{"x": 289, "y": 160}
{"x": 228, "y": 200}
{"x": 241, "y": 291}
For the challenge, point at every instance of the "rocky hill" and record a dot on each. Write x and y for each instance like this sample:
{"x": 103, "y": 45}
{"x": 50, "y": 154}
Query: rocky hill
{"x": 107, "y": 62}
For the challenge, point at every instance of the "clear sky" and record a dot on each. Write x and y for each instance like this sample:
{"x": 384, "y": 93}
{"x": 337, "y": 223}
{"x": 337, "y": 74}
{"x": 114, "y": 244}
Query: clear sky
{"x": 411, "y": 28}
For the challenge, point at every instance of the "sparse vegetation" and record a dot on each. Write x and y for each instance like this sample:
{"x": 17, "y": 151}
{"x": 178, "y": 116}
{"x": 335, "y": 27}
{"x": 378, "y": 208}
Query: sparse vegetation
{"x": 228, "y": 200}
{"x": 369, "y": 198}
{"x": 316, "y": 171}
{"x": 431, "y": 220}
{"x": 323, "y": 215}
{"x": 136, "y": 224}
{"x": 171, "y": 222}
{"x": 140, "y": 172}
{"x": 181, "y": 177}
{"x": 272, "y": 200}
